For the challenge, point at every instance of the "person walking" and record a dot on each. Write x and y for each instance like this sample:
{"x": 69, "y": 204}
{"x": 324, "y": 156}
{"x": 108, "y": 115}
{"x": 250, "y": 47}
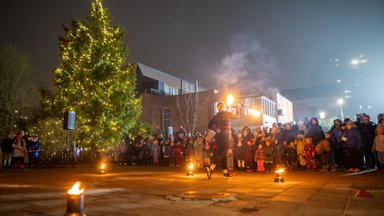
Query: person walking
{"x": 221, "y": 124}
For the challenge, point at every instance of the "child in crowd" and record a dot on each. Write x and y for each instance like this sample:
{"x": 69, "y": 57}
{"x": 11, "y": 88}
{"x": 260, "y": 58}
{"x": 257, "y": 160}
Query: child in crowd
{"x": 207, "y": 156}
{"x": 166, "y": 150}
{"x": 300, "y": 144}
{"x": 309, "y": 154}
{"x": 279, "y": 149}
{"x": 323, "y": 149}
{"x": 239, "y": 151}
{"x": 259, "y": 158}
{"x": 155, "y": 152}
{"x": 248, "y": 155}
{"x": 172, "y": 154}
{"x": 291, "y": 156}
{"x": 178, "y": 152}
{"x": 230, "y": 155}
{"x": 269, "y": 155}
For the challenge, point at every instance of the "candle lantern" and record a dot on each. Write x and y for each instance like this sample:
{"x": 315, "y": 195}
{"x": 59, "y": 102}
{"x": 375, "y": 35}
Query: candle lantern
{"x": 279, "y": 175}
{"x": 75, "y": 201}
{"x": 190, "y": 169}
{"x": 102, "y": 169}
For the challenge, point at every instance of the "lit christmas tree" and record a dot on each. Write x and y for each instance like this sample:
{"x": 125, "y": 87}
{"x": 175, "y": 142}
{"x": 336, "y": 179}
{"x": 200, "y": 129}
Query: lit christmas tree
{"x": 94, "y": 81}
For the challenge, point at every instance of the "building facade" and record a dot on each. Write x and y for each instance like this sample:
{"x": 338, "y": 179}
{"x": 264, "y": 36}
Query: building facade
{"x": 169, "y": 101}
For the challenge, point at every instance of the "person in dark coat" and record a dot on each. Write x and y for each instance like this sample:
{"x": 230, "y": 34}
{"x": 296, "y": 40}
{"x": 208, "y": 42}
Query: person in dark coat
{"x": 221, "y": 124}
{"x": 239, "y": 151}
{"x": 367, "y": 131}
{"x": 289, "y": 134}
{"x": 6, "y": 149}
{"x": 352, "y": 139}
{"x": 269, "y": 155}
{"x": 315, "y": 132}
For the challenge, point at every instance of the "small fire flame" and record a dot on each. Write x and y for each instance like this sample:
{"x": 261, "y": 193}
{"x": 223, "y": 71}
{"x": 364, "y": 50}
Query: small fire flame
{"x": 190, "y": 166}
{"x": 102, "y": 167}
{"x": 254, "y": 112}
{"x": 279, "y": 171}
{"x": 230, "y": 100}
{"x": 75, "y": 190}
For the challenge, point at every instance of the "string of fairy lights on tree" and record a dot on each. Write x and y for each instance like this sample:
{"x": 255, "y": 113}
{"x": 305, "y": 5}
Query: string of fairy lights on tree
{"x": 94, "y": 80}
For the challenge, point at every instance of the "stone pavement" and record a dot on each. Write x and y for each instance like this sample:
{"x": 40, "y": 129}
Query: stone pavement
{"x": 169, "y": 191}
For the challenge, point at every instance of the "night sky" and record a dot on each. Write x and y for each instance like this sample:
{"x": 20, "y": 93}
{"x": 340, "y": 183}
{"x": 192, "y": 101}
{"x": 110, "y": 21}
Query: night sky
{"x": 266, "y": 45}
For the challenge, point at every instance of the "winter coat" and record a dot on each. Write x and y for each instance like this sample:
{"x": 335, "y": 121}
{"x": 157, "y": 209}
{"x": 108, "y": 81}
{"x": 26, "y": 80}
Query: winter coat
{"x": 289, "y": 135}
{"x": 248, "y": 154}
{"x": 335, "y": 136}
{"x": 155, "y": 152}
{"x": 19, "y": 149}
{"x": 279, "y": 150}
{"x": 378, "y": 143}
{"x": 299, "y": 146}
{"x": 239, "y": 149}
{"x": 166, "y": 150}
{"x": 6, "y": 145}
{"x": 323, "y": 146}
{"x": 316, "y": 133}
{"x": 259, "y": 155}
{"x": 34, "y": 147}
{"x": 269, "y": 154}
{"x": 309, "y": 151}
{"x": 353, "y": 138}
{"x": 367, "y": 132}
{"x": 291, "y": 154}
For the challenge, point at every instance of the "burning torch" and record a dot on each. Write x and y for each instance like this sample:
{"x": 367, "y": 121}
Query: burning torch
{"x": 231, "y": 99}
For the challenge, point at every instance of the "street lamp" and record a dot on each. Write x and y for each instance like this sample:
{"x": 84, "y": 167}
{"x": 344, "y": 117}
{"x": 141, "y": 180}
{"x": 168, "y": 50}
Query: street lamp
{"x": 340, "y": 102}
{"x": 322, "y": 115}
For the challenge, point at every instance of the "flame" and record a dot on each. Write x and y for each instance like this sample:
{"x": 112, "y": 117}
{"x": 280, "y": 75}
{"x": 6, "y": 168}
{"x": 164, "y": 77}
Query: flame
{"x": 230, "y": 100}
{"x": 254, "y": 112}
{"x": 75, "y": 190}
{"x": 102, "y": 167}
{"x": 279, "y": 171}
{"x": 190, "y": 166}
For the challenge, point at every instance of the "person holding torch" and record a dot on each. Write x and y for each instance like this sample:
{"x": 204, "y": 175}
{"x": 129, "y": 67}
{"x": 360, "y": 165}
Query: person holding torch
{"x": 221, "y": 125}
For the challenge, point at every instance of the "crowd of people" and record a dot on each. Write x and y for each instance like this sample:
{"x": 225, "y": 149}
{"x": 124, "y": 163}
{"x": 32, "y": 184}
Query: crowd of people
{"x": 349, "y": 145}
{"x": 19, "y": 150}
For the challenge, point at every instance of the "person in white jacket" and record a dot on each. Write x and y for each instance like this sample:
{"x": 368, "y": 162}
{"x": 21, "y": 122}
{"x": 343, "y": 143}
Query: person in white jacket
{"x": 19, "y": 151}
{"x": 378, "y": 146}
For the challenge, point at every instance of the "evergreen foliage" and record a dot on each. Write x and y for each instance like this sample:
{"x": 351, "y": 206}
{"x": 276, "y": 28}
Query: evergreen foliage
{"x": 94, "y": 81}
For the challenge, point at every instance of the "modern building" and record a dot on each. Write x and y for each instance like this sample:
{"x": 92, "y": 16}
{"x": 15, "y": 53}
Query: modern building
{"x": 152, "y": 81}
{"x": 169, "y": 101}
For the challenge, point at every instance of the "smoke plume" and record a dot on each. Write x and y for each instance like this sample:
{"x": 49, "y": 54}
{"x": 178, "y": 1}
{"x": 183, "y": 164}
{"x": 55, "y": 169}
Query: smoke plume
{"x": 248, "y": 68}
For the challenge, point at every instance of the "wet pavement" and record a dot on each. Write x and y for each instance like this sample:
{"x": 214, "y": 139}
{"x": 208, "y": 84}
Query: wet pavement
{"x": 169, "y": 191}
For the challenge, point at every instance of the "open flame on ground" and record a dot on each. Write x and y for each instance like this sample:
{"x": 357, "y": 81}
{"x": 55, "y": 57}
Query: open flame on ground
{"x": 75, "y": 190}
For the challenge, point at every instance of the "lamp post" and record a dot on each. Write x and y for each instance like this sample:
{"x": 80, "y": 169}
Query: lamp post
{"x": 322, "y": 115}
{"x": 340, "y": 102}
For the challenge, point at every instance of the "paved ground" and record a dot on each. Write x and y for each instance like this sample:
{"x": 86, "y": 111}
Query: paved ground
{"x": 168, "y": 191}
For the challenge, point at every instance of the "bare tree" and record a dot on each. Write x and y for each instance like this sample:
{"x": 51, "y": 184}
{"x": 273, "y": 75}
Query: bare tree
{"x": 190, "y": 107}
{"x": 18, "y": 93}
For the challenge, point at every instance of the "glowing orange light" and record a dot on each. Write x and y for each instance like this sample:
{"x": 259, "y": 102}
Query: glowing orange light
{"x": 230, "y": 100}
{"x": 279, "y": 171}
{"x": 254, "y": 112}
{"x": 75, "y": 190}
{"x": 191, "y": 166}
{"x": 102, "y": 167}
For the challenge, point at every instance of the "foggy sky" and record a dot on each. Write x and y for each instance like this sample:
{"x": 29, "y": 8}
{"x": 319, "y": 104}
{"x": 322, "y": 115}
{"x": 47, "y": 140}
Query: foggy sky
{"x": 268, "y": 45}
